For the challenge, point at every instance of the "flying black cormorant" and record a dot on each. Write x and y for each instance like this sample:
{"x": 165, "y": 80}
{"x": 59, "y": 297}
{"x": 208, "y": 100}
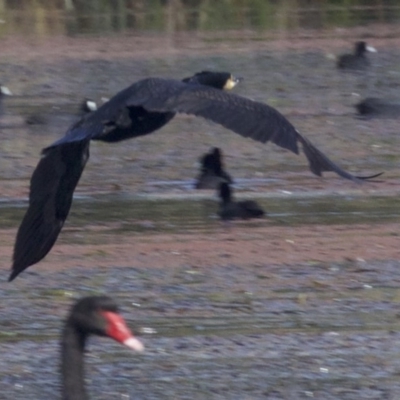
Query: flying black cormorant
{"x": 138, "y": 110}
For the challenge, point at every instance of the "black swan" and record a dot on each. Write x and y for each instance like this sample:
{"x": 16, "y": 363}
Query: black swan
{"x": 97, "y": 315}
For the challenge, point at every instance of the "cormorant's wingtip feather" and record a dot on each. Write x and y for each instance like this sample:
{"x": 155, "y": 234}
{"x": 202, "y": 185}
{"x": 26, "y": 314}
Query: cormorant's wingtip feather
{"x": 319, "y": 163}
{"x": 367, "y": 178}
{"x": 13, "y": 275}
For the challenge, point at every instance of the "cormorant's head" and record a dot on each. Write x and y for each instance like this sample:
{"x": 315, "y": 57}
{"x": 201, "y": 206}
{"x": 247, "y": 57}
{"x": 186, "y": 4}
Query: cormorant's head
{"x": 218, "y": 80}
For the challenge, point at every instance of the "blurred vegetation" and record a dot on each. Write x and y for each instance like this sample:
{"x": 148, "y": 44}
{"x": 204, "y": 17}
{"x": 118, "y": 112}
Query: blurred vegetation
{"x": 47, "y": 17}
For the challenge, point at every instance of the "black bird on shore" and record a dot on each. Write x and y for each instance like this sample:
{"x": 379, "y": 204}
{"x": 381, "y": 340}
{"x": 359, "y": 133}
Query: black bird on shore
{"x": 138, "y": 110}
{"x": 357, "y": 60}
{"x": 230, "y": 209}
{"x": 212, "y": 171}
{"x": 372, "y": 107}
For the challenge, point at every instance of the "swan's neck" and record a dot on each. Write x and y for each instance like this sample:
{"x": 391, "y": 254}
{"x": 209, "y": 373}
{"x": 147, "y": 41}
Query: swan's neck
{"x": 72, "y": 374}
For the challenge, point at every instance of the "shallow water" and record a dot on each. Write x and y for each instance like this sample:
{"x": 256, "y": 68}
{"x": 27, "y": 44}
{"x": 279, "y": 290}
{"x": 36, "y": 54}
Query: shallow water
{"x": 195, "y": 211}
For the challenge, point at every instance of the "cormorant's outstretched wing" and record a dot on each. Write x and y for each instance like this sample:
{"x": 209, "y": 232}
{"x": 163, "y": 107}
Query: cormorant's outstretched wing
{"x": 241, "y": 115}
{"x": 52, "y": 186}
